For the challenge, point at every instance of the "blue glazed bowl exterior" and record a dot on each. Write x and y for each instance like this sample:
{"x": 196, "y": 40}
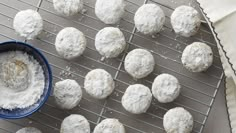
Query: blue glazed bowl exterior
{"x": 30, "y": 50}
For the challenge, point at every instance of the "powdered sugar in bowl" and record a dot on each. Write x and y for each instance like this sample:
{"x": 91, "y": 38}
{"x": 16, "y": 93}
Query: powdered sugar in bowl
{"x": 25, "y": 79}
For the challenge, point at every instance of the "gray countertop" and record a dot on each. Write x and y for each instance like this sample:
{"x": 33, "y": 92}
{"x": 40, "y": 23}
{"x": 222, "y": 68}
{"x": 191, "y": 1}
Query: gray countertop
{"x": 218, "y": 121}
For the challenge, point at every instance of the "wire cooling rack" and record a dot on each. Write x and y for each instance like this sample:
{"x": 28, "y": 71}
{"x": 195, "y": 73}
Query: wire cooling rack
{"x": 198, "y": 89}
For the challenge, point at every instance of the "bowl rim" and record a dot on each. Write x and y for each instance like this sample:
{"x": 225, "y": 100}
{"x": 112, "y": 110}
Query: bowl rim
{"x": 49, "y": 79}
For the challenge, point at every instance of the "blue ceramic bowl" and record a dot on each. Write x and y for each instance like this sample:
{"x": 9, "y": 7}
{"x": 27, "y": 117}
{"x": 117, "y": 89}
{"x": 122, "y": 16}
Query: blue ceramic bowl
{"x": 20, "y": 46}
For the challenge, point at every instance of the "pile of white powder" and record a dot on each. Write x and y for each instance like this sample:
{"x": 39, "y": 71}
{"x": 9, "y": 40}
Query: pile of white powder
{"x": 21, "y": 80}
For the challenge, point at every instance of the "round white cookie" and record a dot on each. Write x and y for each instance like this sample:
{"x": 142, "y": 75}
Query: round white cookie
{"x": 109, "y": 125}
{"x": 185, "y": 21}
{"x": 29, "y": 130}
{"x": 165, "y": 88}
{"x": 178, "y": 120}
{"x": 139, "y": 63}
{"x": 197, "y": 57}
{"x": 67, "y": 93}
{"x": 68, "y": 7}
{"x": 149, "y": 19}
{"x": 137, "y": 99}
{"x": 109, "y": 11}
{"x": 75, "y": 124}
{"x": 110, "y": 42}
{"x": 28, "y": 23}
{"x": 70, "y": 43}
{"x": 99, "y": 83}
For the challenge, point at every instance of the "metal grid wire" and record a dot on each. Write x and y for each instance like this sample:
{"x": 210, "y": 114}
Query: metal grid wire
{"x": 198, "y": 90}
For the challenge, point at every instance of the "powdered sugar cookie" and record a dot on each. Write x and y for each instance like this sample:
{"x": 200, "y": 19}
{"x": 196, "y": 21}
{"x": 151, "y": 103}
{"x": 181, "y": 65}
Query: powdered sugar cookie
{"x": 28, "y": 23}
{"x": 165, "y": 88}
{"x": 29, "y": 130}
{"x": 185, "y": 21}
{"x": 67, "y": 93}
{"x": 68, "y": 7}
{"x": 70, "y": 43}
{"x": 99, "y": 83}
{"x": 75, "y": 124}
{"x": 109, "y": 125}
{"x": 110, "y": 42}
{"x": 109, "y": 11}
{"x": 137, "y": 99}
{"x": 139, "y": 63}
{"x": 149, "y": 19}
{"x": 197, "y": 57}
{"x": 178, "y": 120}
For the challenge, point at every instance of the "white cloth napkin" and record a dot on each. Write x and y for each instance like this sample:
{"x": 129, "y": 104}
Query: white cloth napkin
{"x": 222, "y": 15}
{"x": 222, "y": 18}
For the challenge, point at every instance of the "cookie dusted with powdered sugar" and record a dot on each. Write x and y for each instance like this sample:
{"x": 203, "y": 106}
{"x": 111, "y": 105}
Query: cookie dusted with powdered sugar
{"x": 149, "y": 19}
{"x": 67, "y": 93}
{"x": 68, "y": 7}
{"x": 165, "y": 88}
{"x": 178, "y": 120}
{"x": 75, "y": 124}
{"x": 139, "y": 63}
{"x": 109, "y": 125}
{"x": 70, "y": 43}
{"x": 197, "y": 57}
{"x": 185, "y": 21}
{"x": 29, "y": 130}
{"x": 28, "y": 23}
{"x": 99, "y": 83}
{"x": 137, "y": 99}
{"x": 110, "y": 42}
{"x": 109, "y": 11}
